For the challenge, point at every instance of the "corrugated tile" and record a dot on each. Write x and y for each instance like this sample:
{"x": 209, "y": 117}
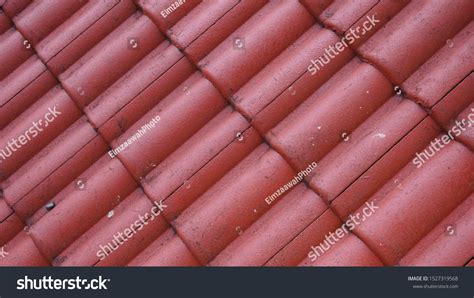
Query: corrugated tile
{"x": 273, "y": 230}
{"x": 107, "y": 183}
{"x": 128, "y": 43}
{"x": 416, "y": 205}
{"x": 240, "y": 56}
{"x": 449, "y": 243}
{"x": 109, "y": 243}
{"x": 397, "y": 56}
{"x": 227, "y": 209}
{"x": 209, "y": 107}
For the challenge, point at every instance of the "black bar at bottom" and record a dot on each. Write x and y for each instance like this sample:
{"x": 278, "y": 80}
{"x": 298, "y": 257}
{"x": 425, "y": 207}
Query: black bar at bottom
{"x": 430, "y": 282}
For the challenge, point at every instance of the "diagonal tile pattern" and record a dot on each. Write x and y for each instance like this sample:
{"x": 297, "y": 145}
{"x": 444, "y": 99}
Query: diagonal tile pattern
{"x": 240, "y": 113}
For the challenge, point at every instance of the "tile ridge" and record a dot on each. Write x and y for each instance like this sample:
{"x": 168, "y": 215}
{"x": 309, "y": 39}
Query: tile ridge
{"x": 183, "y": 240}
{"x": 297, "y": 235}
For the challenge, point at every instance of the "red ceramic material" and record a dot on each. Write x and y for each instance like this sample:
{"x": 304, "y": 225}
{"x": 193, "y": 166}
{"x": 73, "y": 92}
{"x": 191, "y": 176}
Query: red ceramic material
{"x": 217, "y": 32}
{"x": 13, "y": 7}
{"x": 145, "y": 101}
{"x": 40, "y": 18}
{"x": 166, "y": 13}
{"x": 341, "y": 14}
{"x": 107, "y": 183}
{"x": 10, "y": 223}
{"x": 134, "y": 82}
{"x": 228, "y": 208}
{"x": 330, "y": 114}
{"x": 450, "y": 65}
{"x": 22, "y": 87}
{"x": 455, "y": 108}
{"x": 5, "y": 22}
{"x": 449, "y": 243}
{"x": 242, "y": 108}
{"x": 398, "y": 60}
{"x": 300, "y": 246}
{"x": 14, "y": 51}
{"x": 348, "y": 251}
{"x": 467, "y": 136}
{"x": 407, "y": 212}
{"x": 78, "y": 34}
{"x": 279, "y": 75}
{"x": 182, "y": 114}
{"x": 446, "y": 111}
{"x": 316, "y": 6}
{"x": 202, "y": 148}
{"x": 100, "y": 238}
{"x": 199, "y": 20}
{"x": 56, "y": 97}
{"x": 71, "y": 153}
{"x": 209, "y": 174}
{"x": 167, "y": 250}
{"x": 386, "y": 173}
{"x": 129, "y": 43}
{"x": 273, "y": 230}
{"x": 383, "y": 11}
{"x": 349, "y": 160}
{"x": 301, "y": 88}
{"x": 243, "y": 54}
{"x": 22, "y": 251}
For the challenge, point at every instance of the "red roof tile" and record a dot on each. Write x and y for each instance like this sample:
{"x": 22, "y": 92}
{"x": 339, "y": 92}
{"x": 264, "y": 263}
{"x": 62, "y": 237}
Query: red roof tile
{"x": 101, "y": 236}
{"x": 210, "y": 35}
{"x": 349, "y": 251}
{"x": 40, "y": 18}
{"x": 298, "y": 248}
{"x": 449, "y": 243}
{"x": 167, "y": 250}
{"x": 226, "y": 210}
{"x": 427, "y": 29}
{"x": 243, "y": 54}
{"x": 340, "y": 15}
{"x": 330, "y": 114}
{"x": 349, "y": 160}
{"x": 273, "y": 230}
{"x": 13, "y": 7}
{"x": 77, "y": 35}
{"x": 22, "y": 87}
{"x": 405, "y": 215}
{"x": 218, "y": 106}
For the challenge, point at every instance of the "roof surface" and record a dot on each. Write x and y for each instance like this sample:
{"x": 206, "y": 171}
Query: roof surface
{"x": 212, "y": 111}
